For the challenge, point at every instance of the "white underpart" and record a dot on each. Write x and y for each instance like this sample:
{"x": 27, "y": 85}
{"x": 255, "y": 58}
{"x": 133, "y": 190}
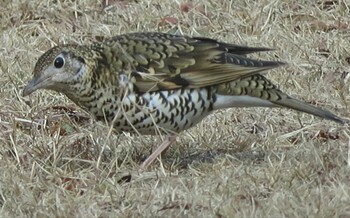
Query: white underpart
{"x": 227, "y": 101}
{"x": 123, "y": 80}
{"x": 189, "y": 118}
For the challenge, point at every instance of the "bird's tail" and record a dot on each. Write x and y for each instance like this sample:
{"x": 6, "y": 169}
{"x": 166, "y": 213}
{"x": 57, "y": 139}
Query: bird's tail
{"x": 298, "y": 105}
{"x": 257, "y": 91}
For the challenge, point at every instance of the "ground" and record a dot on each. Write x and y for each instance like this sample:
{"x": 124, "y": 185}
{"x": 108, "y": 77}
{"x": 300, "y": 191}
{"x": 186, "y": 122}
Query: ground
{"x": 56, "y": 161}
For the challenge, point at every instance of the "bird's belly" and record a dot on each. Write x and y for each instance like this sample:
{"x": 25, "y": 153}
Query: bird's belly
{"x": 162, "y": 111}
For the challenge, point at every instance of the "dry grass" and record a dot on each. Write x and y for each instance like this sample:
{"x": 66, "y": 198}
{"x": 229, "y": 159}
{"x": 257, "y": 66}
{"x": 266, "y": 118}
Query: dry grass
{"x": 237, "y": 163}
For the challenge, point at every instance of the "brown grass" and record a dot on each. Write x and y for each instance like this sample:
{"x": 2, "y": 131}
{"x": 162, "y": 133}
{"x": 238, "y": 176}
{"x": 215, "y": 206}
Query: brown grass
{"x": 257, "y": 162}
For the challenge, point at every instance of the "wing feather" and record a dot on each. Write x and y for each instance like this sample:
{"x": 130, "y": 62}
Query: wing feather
{"x": 167, "y": 61}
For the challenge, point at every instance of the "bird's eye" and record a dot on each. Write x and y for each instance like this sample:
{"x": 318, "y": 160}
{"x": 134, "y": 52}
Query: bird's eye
{"x": 59, "y": 62}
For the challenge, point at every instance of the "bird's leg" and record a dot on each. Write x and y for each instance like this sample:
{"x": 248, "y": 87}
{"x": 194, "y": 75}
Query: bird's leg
{"x": 167, "y": 142}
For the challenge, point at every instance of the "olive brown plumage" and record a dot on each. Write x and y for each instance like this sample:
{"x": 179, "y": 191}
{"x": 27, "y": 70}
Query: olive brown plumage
{"x": 151, "y": 82}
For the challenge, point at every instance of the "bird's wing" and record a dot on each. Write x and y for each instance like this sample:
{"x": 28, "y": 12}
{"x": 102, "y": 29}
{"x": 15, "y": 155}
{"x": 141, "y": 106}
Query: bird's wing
{"x": 164, "y": 61}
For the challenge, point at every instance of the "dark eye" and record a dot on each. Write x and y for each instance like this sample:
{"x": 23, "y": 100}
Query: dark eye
{"x": 59, "y": 62}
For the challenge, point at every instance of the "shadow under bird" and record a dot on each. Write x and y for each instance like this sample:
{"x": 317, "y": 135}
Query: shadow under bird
{"x": 154, "y": 82}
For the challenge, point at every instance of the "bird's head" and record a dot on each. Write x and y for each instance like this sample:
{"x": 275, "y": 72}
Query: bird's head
{"x": 57, "y": 69}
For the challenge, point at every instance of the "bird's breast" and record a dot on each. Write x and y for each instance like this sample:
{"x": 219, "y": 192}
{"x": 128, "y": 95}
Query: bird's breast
{"x": 152, "y": 112}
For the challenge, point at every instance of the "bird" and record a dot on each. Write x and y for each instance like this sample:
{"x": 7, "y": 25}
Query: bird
{"x": 152, "y": 82}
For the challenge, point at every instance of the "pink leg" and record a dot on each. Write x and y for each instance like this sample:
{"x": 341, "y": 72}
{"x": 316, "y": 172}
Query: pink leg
{"x": 168, "y": 141}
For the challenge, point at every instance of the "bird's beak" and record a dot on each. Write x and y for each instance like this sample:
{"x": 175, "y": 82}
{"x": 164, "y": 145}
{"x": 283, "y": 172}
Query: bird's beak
{"x": 33, "y": 85}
